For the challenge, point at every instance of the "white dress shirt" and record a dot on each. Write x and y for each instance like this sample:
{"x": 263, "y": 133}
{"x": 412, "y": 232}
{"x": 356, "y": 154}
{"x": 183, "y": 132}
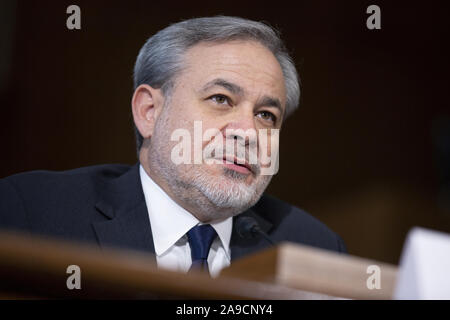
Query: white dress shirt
{"x": 170, "y": 223}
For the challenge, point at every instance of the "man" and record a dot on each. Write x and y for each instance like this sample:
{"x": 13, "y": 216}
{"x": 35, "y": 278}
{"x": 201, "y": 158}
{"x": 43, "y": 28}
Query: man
{"x": 227, "y": 74}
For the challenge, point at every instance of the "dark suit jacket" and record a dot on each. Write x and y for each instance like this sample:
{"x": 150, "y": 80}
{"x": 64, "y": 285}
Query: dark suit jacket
{"x": 105, "y": 205}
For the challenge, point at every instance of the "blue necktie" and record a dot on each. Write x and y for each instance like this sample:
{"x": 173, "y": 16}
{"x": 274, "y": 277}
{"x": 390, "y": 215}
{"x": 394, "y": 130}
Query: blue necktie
{"x": 200, "y": 240}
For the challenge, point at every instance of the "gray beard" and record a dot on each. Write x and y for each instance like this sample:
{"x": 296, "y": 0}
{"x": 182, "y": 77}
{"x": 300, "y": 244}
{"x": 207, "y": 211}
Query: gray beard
{"x": 216, "y": 197}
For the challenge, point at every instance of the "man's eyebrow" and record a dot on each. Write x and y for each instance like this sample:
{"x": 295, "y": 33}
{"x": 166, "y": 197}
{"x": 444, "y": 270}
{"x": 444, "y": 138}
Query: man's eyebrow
{"x": 232, "y": 87}
{"x": 267, "y": 101}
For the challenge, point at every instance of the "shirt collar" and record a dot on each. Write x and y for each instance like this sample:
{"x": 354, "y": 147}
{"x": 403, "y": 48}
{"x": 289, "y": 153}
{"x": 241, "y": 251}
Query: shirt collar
{"x": 170, "y": 222}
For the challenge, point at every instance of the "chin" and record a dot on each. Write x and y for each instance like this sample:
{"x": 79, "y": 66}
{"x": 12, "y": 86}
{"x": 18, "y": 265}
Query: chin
{"x": 223, "y": 192}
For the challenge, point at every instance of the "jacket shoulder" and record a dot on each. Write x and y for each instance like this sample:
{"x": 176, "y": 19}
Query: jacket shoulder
{"x": 290, "y": 223}
{"x": 98, "y": 172}
{"x": 50, "y": 187}
{"x": 43, "y": 199}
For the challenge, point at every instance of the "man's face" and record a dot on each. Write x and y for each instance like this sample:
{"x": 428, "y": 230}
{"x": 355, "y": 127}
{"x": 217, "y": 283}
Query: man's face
{"x": 232, "y": 85}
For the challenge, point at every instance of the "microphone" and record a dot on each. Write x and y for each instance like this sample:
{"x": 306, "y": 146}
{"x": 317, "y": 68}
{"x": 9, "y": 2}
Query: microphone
{"x": 248, "y": 228}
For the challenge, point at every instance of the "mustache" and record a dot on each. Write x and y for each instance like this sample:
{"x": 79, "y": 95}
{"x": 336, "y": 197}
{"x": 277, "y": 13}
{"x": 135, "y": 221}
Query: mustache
{"x": 239, "y": 159}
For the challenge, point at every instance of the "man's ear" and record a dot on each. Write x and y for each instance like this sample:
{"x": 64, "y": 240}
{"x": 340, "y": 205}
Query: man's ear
{"x": 146, "y": 105}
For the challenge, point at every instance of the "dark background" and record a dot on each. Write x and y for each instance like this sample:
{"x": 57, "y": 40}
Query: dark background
{"x": 366, "y": 153}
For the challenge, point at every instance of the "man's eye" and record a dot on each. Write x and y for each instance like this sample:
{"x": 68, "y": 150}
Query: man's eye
{"x": 220, "y": 99}
{"x": 268, "y": 116}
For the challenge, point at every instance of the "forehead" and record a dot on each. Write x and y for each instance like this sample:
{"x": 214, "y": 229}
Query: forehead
{"x": 246, "y": 63}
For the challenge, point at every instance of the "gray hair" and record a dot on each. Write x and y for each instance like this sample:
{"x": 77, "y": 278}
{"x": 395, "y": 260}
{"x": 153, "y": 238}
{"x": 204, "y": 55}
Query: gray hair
{"x": 161, "y": 57}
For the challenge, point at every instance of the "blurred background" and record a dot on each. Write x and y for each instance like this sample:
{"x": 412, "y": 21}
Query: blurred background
{"x": 367, "y": 153}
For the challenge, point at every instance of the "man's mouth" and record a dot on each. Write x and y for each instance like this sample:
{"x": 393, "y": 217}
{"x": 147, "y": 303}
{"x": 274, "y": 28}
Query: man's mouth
{"x": 241, "y": 166}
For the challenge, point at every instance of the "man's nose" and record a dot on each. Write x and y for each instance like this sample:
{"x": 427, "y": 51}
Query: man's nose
{"x": 241, "y": 128}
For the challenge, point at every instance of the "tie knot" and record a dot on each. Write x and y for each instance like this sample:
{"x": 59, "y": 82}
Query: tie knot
{"x": 200, "y": 240}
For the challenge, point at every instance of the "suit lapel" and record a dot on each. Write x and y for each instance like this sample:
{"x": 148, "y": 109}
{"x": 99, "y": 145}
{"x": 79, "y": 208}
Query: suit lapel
{"x": 242, "y": 246}
{"x": 122, "y": 202}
